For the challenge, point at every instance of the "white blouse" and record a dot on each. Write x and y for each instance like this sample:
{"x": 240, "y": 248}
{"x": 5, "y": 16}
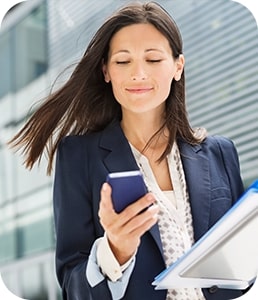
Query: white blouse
{"x": 175, "y": 218}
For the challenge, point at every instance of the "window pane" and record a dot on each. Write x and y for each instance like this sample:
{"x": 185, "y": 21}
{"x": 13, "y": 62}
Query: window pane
{"x": 31, "y": 53}
{"x": 23, "y": 51}
{"x": 5, "y": 63}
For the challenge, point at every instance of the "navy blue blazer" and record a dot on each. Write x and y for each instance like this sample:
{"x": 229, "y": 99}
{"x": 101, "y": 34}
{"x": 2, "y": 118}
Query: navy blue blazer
{"x": 82, "y": 164}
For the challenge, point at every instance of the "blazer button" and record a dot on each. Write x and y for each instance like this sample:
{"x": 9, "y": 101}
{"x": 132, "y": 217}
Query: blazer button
{"x": 213, "y": 289}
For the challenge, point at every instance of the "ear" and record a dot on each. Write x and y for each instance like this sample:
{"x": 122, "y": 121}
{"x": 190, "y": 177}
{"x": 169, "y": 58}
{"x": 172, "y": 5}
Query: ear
{"x": 180, "y": 62}
{"x": 105, "y": 73}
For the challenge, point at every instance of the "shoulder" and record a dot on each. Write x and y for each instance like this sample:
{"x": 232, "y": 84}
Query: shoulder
{"x": 83, "y": 139}
{"x": 91, "y": 140}
{"x": 73, "y": 144}
{"x": 75, "y": 140}
{"x": 212, "y": 148}
{"x": 211, "y": 143}
{"x": 221, "y": 143}
{"x": 218, "y": 140}
{"x": 77, "y": 145}
{"x": 220, "y": 149}
{"x": 74, "y": 154}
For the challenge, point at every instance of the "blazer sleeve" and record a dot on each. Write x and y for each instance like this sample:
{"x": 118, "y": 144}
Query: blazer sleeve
{"x": 74, "y": 222}
{"x": 231, "y": 162}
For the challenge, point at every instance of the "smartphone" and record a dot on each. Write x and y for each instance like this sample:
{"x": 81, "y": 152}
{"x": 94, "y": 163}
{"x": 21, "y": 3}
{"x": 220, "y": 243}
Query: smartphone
{"x": 127, "y": 187}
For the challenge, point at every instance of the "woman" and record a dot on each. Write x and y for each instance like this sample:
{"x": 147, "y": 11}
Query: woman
{"x": 124, "y": 109}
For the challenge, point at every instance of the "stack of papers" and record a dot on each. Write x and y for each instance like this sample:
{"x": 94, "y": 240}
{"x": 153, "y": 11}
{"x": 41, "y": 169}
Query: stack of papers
{"x": 226, "y": 256}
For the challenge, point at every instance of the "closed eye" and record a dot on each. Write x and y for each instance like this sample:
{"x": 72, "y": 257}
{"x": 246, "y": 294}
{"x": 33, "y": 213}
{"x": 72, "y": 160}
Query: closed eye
{"x": 154, "y": 60}
{"x": 123, "y": 62}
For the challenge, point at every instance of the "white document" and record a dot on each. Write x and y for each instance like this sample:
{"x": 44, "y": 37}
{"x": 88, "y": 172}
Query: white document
{"x": 226, "y": 256}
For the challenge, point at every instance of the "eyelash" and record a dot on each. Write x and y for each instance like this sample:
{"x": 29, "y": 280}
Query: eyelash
{"x": 122, "y": 62}
{"x": 154, "y": 60}
{"x": 149, "y": 60}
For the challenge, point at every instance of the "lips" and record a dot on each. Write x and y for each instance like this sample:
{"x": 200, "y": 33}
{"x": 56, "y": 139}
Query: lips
{"x": 139, "y": 90}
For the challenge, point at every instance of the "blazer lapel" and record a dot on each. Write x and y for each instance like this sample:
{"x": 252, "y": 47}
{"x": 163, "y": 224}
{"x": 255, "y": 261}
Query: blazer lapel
{"x": 196, "y": 168}
{"x": 117, "y": 156}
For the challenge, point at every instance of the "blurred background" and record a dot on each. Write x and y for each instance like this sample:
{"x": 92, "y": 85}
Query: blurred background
{"x": 40, "y": 38}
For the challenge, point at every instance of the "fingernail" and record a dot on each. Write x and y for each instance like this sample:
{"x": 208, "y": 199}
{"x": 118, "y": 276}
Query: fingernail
{"x": 150, "y": 198}
{"x": 154, "y": 207}
{"x": 104, "y": 187}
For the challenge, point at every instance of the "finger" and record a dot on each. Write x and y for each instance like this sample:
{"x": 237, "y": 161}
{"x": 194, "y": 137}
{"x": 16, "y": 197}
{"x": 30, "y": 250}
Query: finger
{"x": 131, "y": 233}
{"x": 138, "y": 207}
{"x": 143, "y": 221}
{"x": 111, "y": 220}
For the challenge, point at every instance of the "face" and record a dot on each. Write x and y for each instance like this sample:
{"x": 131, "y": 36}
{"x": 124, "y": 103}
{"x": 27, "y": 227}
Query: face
{"x": 141, "y": 68}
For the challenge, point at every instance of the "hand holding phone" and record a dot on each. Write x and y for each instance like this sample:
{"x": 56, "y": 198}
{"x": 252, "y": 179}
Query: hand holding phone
{"x": 127, "y": 187}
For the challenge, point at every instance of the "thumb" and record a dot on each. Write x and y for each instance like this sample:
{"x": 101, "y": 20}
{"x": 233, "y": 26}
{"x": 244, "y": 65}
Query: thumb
{"x": 106, "y": 195}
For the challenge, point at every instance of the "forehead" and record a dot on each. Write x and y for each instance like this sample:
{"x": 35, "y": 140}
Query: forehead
{"x": 138, "y": 36}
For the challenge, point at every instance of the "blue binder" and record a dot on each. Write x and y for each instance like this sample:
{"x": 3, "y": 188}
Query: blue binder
{"x": 226, "y": 256}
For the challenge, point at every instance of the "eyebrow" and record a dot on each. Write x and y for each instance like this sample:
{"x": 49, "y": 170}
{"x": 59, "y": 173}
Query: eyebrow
{"x": 154, "y": 49}
{"x": 147, "y": 50}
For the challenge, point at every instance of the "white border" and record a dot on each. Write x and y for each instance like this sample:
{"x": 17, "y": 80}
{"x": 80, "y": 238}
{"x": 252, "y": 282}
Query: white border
{"x": 5, "y": 5}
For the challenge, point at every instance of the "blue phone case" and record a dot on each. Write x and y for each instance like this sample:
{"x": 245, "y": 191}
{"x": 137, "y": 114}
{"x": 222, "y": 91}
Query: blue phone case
{"x": 127, "y": 187}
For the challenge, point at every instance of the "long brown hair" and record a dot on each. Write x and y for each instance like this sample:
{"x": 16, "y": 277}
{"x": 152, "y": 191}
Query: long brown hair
{"x": 86, "y": 102}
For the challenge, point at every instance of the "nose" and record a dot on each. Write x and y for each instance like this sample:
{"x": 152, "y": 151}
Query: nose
{"x": 138, "y": 71}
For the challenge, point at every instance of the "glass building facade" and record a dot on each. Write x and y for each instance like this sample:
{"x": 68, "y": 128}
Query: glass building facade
{"x": 40, "y": 38}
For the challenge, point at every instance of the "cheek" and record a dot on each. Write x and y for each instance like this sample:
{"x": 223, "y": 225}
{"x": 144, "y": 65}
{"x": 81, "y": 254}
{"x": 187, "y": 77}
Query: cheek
{"x": 165, "y": 85}
{"x": 117, "y": 80}
{"x": 117, "y": 89}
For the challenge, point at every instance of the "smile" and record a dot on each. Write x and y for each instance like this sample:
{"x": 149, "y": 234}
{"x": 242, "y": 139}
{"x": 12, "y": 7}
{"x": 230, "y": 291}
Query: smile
{"x": 139, "y": 90}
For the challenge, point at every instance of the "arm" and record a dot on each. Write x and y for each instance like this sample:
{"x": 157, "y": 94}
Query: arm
{"x": 119, "y": 281}
{"x": 107, "y": 262}
{"x": 77, "y": 226}
{"x": 74, "y": 223}
{"x": 231, "y": 163}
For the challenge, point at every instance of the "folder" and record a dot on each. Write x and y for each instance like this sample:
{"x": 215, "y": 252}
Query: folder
{"x": 226, "y": 256}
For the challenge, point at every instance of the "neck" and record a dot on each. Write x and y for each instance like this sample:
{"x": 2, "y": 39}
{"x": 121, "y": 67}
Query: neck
{"x": 140, "y": 129}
